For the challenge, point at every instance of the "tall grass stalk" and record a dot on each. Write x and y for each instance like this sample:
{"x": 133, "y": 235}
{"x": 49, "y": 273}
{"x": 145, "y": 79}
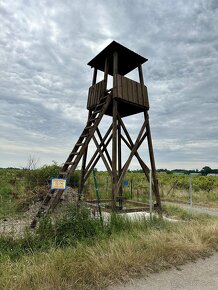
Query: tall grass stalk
{"x": 122, "y": 256}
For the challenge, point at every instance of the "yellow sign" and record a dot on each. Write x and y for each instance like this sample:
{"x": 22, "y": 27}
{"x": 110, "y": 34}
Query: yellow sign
{"x": 58, "y": 183}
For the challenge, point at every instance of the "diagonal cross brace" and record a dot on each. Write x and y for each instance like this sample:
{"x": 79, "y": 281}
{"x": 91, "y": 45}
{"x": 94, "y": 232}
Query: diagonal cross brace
{"x": 130, "y": 145}
{"x": 138, "y": 142}
{"x": 102, "y": 155}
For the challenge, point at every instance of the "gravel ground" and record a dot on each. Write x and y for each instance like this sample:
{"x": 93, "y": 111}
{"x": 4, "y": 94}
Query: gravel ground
{"x": 15, "y": 227}
{"x": 199, "y": 275}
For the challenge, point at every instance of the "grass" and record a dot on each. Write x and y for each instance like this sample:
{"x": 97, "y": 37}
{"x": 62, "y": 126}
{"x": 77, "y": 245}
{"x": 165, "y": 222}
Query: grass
{"x": 75, "y": 226}
{"x": 117, "y": 259}
{"x": 7, "y": 205}
{"x": 76, "y": 253}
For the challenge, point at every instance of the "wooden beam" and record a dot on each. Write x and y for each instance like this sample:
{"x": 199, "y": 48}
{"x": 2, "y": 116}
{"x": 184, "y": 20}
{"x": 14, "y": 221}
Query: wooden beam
{"x": 151, "y": 154}
{"x": 106, "y": 73}
{"x": 141, "y": 162}
{"x": 94, "y": 76}
{"x": 119, "y": 159}
{"x": 88, "y": 171}
{"x": 141, "y": 79}
{"x": 138, "y": 142}
{"x": 143, "y": 165}
{"x": 102, "y": 156}
{"x": 114, "y": 136}
{"x": 96, "y": 152}
{"x": 105, "y": 147}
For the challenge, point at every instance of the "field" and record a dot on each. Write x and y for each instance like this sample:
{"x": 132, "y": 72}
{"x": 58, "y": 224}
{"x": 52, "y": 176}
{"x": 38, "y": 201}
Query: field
{"x": 172, "y": 188}
{"x": 20, "y": 187}
{"x": 74, "y": 251}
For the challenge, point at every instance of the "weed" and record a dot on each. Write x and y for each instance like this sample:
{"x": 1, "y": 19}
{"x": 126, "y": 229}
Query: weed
{"x": 117, "y": 258}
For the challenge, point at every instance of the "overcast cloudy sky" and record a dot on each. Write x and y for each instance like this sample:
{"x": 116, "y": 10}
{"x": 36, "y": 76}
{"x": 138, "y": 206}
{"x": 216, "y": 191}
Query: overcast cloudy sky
{"x": 44, "y": 78}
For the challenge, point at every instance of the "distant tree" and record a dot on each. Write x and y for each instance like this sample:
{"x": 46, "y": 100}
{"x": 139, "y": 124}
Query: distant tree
{"x": 31, "y": 163}
{"x": 205, "y": 170}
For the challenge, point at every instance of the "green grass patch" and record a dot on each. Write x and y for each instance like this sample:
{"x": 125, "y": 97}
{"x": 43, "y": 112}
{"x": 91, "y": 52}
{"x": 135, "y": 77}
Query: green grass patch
{"x": 75, "y": 226}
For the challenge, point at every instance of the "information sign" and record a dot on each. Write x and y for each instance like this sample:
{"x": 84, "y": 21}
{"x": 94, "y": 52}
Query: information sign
{"x": 58, "y": 183}
{"x": 125, "y": 182}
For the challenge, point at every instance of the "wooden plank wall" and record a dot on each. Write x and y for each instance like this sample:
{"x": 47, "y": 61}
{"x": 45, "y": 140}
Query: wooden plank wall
{"x": 130, "y": 91}
{"x": 95, "y": 93}
{"x": 125, "y": 89}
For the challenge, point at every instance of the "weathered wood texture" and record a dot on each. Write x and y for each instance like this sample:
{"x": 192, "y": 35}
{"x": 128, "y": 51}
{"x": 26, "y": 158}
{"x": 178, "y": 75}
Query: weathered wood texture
{"x": 124, "y": 90}
{"x": 130, "y": 91}
{"x": 95, "y": 93}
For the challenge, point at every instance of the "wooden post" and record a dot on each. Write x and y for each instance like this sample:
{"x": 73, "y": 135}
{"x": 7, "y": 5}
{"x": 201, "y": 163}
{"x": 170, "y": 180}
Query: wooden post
{"x": 94, "y": 76}
{"x": 153, "y": 168}
{"x": 114, "y": 136}
{"x": 141, "y": 79}
{"x": 120, "y": 161}
{"x": 106, "y": 73}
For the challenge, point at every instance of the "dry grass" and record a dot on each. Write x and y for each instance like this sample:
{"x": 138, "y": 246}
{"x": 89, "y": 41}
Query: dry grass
{"x": 110, "y": 261}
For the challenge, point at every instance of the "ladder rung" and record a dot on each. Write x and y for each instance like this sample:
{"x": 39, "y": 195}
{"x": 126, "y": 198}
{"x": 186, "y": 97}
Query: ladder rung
{"x": 102, "y": 102}
{"x": 91, "y": 120}
{"x": 43, "y": 206}
{"x": 89, "y": 127}
{"x": 74, "y": 153}
{"x": 69, "y": 163}
{"x": 47, "y": 199}
{"x": 84, "y": 135}
{"x": 98, "y": 111}
{"x": 63, "y": 173}
{"x": 79, "y": 144}
{"x": 99, "y": 105}
{"x": 103, "y": 98}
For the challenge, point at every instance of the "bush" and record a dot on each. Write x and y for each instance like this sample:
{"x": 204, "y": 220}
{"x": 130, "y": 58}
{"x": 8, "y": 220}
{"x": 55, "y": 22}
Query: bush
{"x": 76, "y": 225}
{"x": 41, "y": 176}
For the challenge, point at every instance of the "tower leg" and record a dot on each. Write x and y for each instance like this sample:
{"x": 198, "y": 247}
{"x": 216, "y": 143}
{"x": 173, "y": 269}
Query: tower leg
{"x": 82, "y": 174}
{"x": 151, "y": 154}
{"x": 114, "y": 136}
{"x": 120, "y": 163}
{"x": 114, "y": 156}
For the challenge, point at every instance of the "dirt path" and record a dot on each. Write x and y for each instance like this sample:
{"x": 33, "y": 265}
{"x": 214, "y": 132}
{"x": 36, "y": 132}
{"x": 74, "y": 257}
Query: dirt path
{"x": 201, "y": 275}
{"x": 195, "y": 208}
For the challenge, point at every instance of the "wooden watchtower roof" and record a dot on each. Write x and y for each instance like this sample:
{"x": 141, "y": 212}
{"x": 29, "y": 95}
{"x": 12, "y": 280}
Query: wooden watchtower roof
{"x": 128, "y": 60}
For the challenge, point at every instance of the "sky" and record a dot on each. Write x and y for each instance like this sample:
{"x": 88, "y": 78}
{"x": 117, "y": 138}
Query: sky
{"x": 44, "y": 78}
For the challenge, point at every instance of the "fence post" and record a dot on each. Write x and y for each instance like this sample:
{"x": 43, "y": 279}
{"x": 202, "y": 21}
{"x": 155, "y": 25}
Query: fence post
{"x": 106, "y": 189}
{"x": 190, "y": 190}
{"x": 131, "y": 188}
{"x": 97, "y": 195}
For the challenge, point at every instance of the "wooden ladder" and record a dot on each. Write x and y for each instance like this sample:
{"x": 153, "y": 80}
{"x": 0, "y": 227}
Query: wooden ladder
{"x": 53, "y": 196}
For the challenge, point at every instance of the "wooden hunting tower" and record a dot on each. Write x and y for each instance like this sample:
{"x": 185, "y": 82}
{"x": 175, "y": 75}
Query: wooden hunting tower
{"x": 125, "y": 98}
